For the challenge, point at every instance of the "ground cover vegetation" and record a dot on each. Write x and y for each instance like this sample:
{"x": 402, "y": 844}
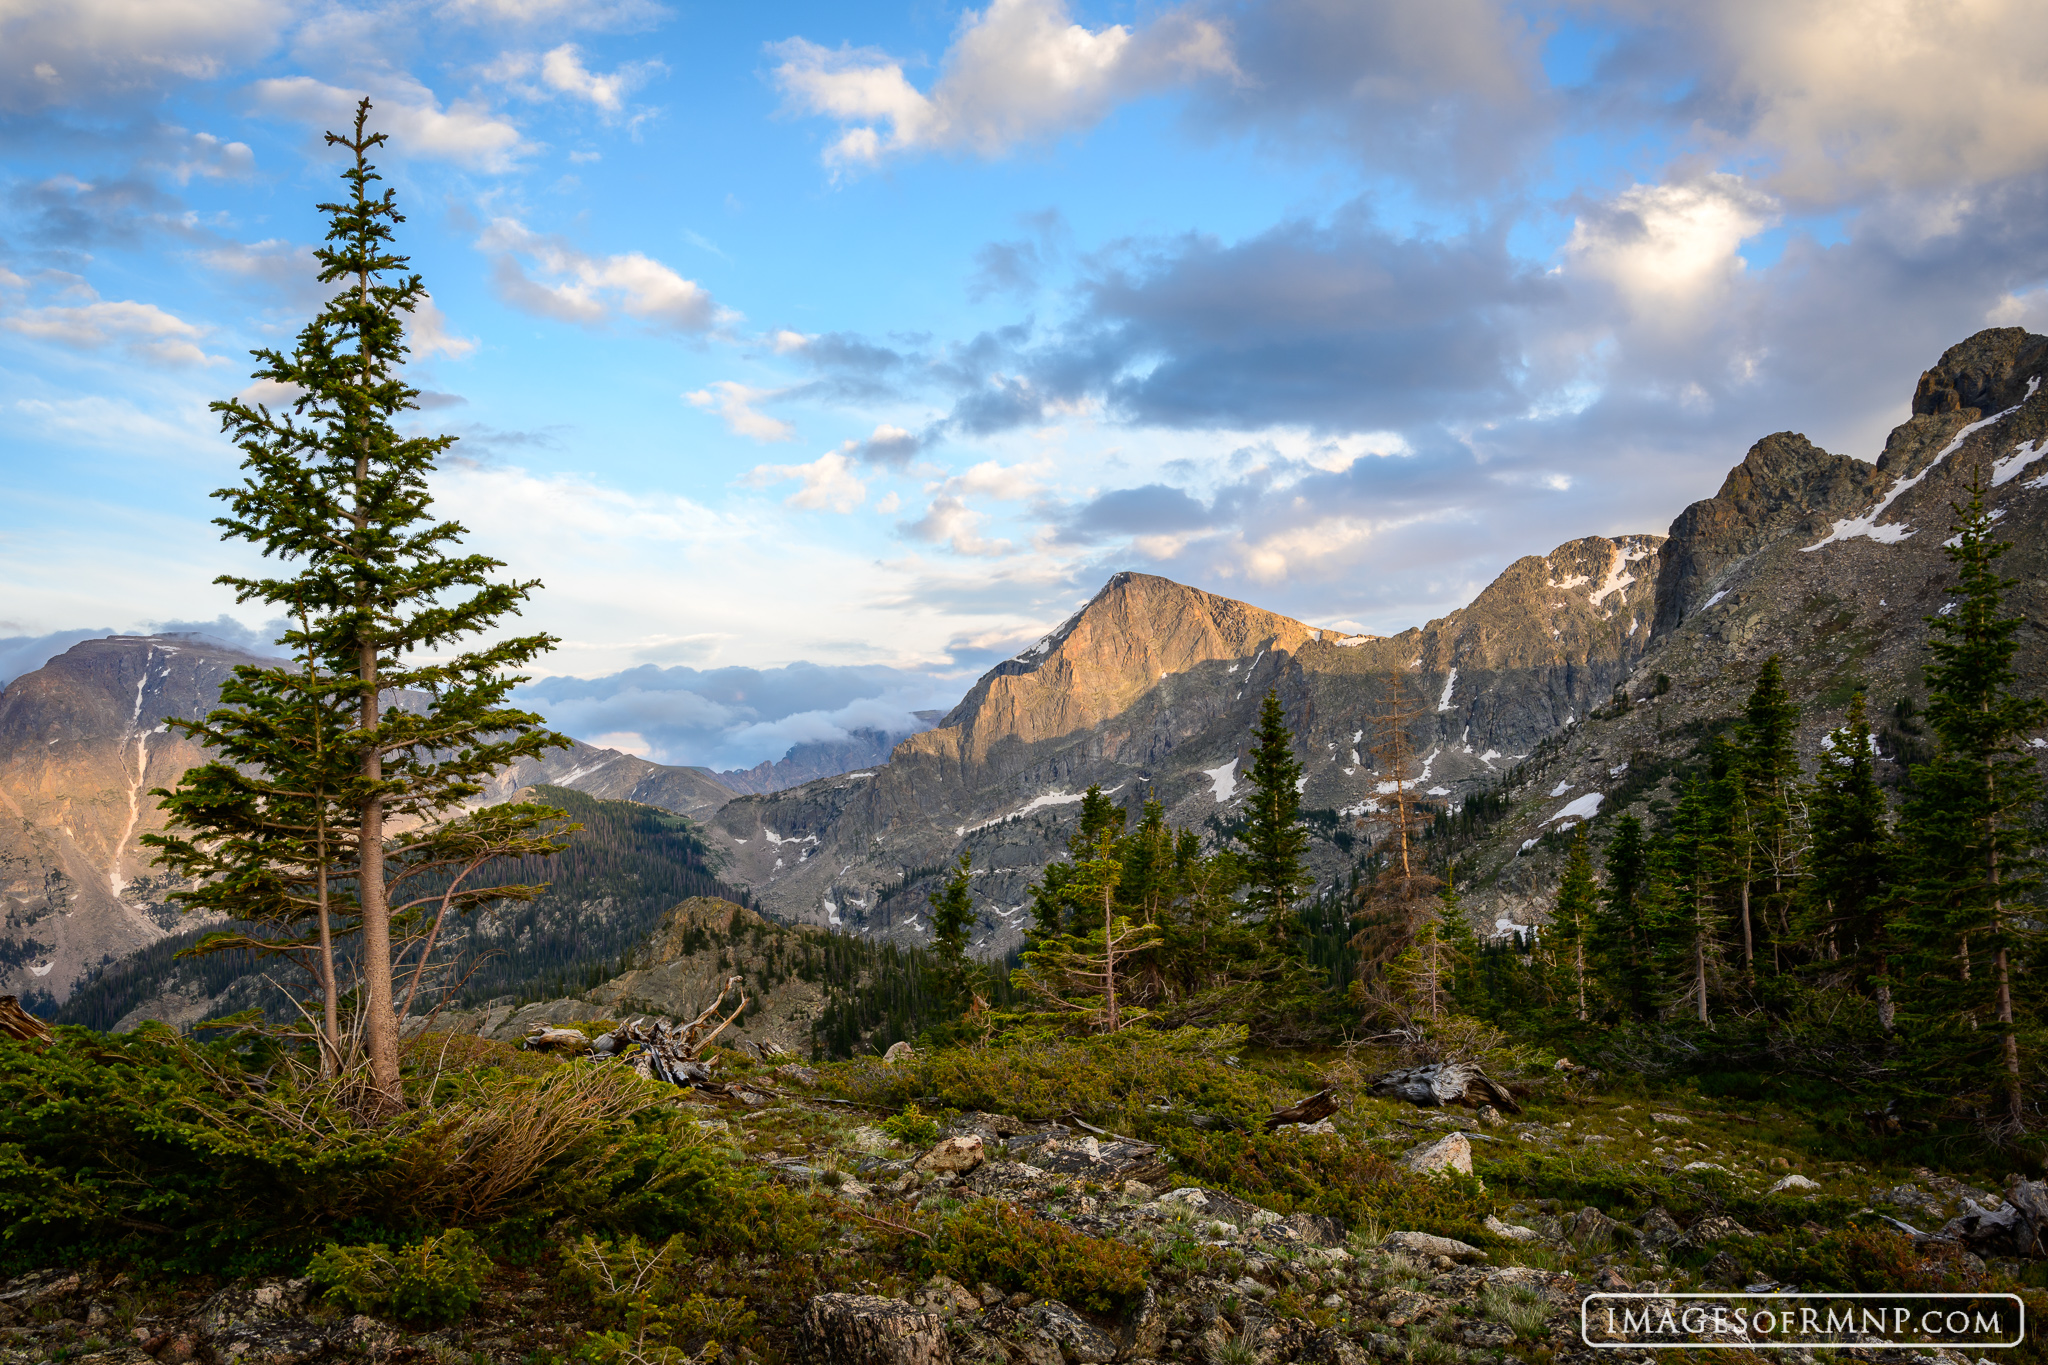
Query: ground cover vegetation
{"x": 1762, "y": 1031}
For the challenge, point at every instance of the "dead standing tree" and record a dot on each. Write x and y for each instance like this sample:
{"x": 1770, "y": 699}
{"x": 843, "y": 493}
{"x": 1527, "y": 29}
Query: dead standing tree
{"x": 1388, "y": 908}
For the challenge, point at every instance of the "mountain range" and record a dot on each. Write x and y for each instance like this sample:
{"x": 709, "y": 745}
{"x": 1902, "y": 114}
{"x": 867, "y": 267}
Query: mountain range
{"x": 1575, "y": 686}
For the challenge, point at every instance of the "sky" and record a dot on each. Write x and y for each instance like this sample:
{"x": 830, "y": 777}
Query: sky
{"x": 816, "y": 357}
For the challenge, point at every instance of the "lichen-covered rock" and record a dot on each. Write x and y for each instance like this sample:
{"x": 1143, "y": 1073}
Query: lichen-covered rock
{"x": 864, "y": 1329}
{"x": 1794, "y": 1182}
{"x": 1452, "y": 1152}
{"x": 1076, "y": 1339}
{"x": 952, "y": 1154}
{"x": 1424, "y": 1244}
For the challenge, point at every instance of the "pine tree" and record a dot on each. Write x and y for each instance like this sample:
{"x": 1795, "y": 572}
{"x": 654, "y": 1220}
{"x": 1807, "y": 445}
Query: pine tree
{"x": 1688, "y": 864}
{"x": 1765, "y": 769}
{"x": 952, "y": 922}
{"x": 332, "y": 485}
{"x": 1622, "y": 940}
{"x": 1850, "y": 864}
{"x": 1969, "y": 849}
{"x": 1571, "y": 920}
{"x": 1082, "y": 971}
{"x": 1273, "y": 836}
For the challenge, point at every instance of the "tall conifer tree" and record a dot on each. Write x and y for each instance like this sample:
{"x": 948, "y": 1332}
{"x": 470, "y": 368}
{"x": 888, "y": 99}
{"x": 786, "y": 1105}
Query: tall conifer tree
{"x": 1273, "y": 836}
{"x": 1851, "y": 864}
{"x": 333, "y": 487}
{"x": 1571, "y": 920}
{"x": 1765, "y": 770}
{"x": 1969, "y": 840}
{"x": 1622, "y": 939}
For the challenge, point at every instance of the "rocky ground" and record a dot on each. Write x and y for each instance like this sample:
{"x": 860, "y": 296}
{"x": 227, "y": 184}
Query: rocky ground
{"x": 1230, "y": 1282}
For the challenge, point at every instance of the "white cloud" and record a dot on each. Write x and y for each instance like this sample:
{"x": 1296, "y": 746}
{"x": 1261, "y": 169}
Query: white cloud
{"x": 91, "y": 51}
{"x": 734, "y": 402}
{"x": 1670, "y": 248}
{"x": 787, "y": 342}
{"x": 1005, "y": 483}
{"x": 582, "y": 288}
{"x": 1019, "y": 71}
{"x": 467, "y": 132}
{"x": 586, "y": 14}
{"x": 951, "y": 522}
{"x": 561, "y": 71}
{"x": 143, "y": 330}
{"x": 1861, "y": 95}
{"x": 206, "y": 155}
{"x": 428, "y": 334}
{"x": 828, "y": 482}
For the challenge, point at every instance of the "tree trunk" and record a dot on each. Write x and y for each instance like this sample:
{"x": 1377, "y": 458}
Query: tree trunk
{"x": 1748, "y": 941}
{"x": 1109, "y": 956}
{"x": 380, "y": 1025}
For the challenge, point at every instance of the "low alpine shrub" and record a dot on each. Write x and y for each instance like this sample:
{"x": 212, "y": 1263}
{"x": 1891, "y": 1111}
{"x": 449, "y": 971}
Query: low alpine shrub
{"x": 990, "y": 1242}
{"x": 433, "y": 1282}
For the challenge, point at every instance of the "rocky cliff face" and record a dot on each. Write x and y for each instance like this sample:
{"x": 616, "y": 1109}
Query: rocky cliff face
{"x": 1833, "y": 565}
{"x": 82, "y": 742}
{"x": 1151, "y": 690}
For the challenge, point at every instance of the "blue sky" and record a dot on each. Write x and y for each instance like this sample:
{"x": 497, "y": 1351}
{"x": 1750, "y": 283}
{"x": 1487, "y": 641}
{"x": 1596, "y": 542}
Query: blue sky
{"x": 874, "y": 338}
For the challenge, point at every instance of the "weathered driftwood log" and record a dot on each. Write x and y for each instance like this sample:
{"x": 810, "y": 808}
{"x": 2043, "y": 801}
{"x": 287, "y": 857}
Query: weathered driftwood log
{"x": 546, "y": 1038}
{"x": 1442, "y": 1083}
{"x": 1315, "y": 1108}
{"x": 669, "y": 1052}
{"x": 18, "y": 1023}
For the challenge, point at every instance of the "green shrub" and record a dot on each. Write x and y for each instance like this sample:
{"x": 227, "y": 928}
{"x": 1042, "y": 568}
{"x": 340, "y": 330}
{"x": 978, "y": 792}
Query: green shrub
{"x": 165, "y": 1155}
{"x": 1039, "y": 1076}
{"x": 1331, "y": 1176}
{"x": 912, "y": 1126}
{"x": 1868, "y": 1260}
{"x": 990, "y": 1242}
{"x": 433, "y": 1282}
{"x": 636, "y": 1291}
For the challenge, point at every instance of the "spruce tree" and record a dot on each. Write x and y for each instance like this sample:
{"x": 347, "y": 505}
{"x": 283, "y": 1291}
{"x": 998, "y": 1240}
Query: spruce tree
{"x": 1850, "y": 864}
{"x": 1765, "y": 769}
{"x": 1273, "y": 836}
{"x": 333, "y": 487}
{"x": 1969, "y": 840}
{"x": 1571, "y": 920}
{"x": 1688, "y": 864}
{"x": 1622, "y": 938}
{"x": 952, "y": 921}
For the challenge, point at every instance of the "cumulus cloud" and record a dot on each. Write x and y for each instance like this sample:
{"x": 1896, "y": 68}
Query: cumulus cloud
{"x": 112, "y": 52}
{"x": 1670, "y": 249}
{"x": 561, "y": 71}
{"x": 828, "y": 482}
{"x": 584, "y": 14}
{"x": 467, "y": 132}
{"x": 428, "y": 335}
{"x": 227, "y": 630}
{"x": 949, "y": 521}
{"x": 1450, "y": 93}
{"x": 1875, "y": 96}
{"x": 571, "y": 285}
{"x": 734, "y": 402}
{"x": 142, "y": 331}
{"x": 1019, "y": 71}
{"x": 206, "y": 156}
{"x": 727, "y": 718}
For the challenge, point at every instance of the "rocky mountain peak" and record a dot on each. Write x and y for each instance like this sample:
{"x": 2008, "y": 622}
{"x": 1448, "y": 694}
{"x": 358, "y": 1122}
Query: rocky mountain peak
{"x": 1986, "y": 373}
{"x": 1138, "y": 630}
{"x": 1784, "y": 484}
